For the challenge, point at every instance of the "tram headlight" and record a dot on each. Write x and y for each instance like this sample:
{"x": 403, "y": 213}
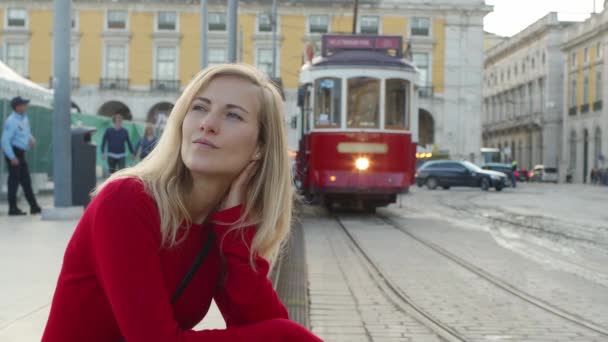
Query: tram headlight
{"x": 362, "y": 163}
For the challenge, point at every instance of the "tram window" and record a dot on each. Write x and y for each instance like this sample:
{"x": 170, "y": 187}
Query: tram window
{"x": 363, "y": 102}
{"x": 328, "y": 99}
{"x": 397, "y": 101}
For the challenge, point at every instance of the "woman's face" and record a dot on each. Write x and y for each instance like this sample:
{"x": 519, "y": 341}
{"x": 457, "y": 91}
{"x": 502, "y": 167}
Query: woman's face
{"x": 220, "y": 130}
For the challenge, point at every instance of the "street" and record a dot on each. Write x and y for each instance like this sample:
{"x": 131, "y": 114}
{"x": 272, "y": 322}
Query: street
{"x": 525, "y": 264}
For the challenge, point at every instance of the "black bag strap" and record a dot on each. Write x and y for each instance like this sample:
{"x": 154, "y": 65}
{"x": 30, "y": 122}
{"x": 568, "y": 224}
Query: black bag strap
{"x": 193, "y": 268}
{"x": 195, "y": 265}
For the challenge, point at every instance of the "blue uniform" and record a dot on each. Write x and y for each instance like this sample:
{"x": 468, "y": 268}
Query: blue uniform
{"x": 16, "y": 132}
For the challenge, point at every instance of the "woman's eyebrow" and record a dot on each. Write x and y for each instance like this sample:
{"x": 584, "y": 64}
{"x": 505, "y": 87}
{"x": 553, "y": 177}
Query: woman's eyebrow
{"x": 229, "y": 106}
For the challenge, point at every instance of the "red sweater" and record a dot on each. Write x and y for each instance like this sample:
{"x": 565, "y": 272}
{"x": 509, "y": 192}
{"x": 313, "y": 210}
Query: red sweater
{"x": 117, "y": 281}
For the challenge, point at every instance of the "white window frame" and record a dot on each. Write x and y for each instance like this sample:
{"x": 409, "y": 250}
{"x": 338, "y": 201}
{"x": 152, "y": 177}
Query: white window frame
{"x": 411, "y": 21}
{"x": 127, "y": 21}
{"x": 105, "y": 58}
{"x": 586, "y": 55}
{"x": 361, "y": 20}
{"x": 598, "y": 50}
{"x": 308, "y": 23}
{"x": 598, "y": 86}
{"x": 25, "y": 53}
{"x": 586, "y": 90}
{"x": 257, "y": 24}
{"x": 258, "y": 48}
{"x": 217, "y": 48}
{"x": 157, "y": 22}
{"x": 6, "y": 17}
{"x": 225, "y": 21}
{"x": 155, "y": 61}
{"x": 573, "y": 60}
{"x": 429, "y": 66}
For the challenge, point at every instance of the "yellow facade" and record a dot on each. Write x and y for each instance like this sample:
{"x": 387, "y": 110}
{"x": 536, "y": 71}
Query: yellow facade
{"x": 592, "y": 75}
{"x": 140, "y": 49}
{"x": 293, "y": 30}
{"x": 91, "y": 46}
{"x": 580, "y": 78}
{"x": 294, "y": 27}
{"x": 41, "y": 46}
{"x": 438, "y": 54}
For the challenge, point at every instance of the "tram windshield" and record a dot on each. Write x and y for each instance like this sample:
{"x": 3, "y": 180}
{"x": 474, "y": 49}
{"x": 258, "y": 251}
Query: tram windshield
{"x": 363, "y": 105}
{"x": 397, "y": 101}
{"x": 328, "y": 101}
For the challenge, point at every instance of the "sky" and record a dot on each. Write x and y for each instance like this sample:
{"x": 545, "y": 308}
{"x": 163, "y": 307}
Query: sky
{"x": 512, "y": 16}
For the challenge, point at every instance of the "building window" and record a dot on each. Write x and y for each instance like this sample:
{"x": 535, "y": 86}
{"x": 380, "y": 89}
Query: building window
{"x": 572, "y": 160}
{"x": 369, "y": 24}
{"x": 166, "y": 63}
{"x": 598, "y": 86}
{"x": 531, "y": 97}
{"x": 318, "y": 24}
{"x": 544, "y": 58}
{"x": 264, "y": 60}
{"x": 573, "y": 60}
{"x": 586, "y": 89}
{"x": 217, "y": 21}
{"x": 541, "y": 93}
{"x": 16, "y": 18}
{"x": 421, "y": 27}
{"x": 216, "y": 56}
{"x": 74, "y": 61}
{"x": 533, "y": 64}
{"x": 264, "y": 22}
{"x": 598, "y": 50}
{"x": 15, "y": 58}
{"x": 573, "y": 94}
{"x": 75, "y": 20}
{"x": 363, "y": 105}
{"x": 116, "y": 61}
{"x": 586, "y": 55}
{"x": 328, "y": 102}
{"x": 117, "y": 20}
{"x": 421, "y": 61}
{"x": 167, "y": 21}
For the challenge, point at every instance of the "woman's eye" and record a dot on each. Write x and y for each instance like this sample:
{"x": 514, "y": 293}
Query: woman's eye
{"x": 199, "y": 108}
{"x": 235, "y": 116}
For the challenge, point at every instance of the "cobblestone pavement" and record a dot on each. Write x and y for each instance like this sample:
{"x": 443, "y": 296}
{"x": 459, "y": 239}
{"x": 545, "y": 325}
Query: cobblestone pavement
{"x": 346, "y": 304}
{"x": 474, "y": 307}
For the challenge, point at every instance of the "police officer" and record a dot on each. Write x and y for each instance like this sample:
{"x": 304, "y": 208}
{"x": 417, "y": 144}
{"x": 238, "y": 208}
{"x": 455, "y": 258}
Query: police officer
{"x": 17, "y": 138}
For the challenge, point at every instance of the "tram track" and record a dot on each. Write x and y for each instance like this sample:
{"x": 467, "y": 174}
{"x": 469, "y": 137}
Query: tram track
{"x": 436, "y": 324}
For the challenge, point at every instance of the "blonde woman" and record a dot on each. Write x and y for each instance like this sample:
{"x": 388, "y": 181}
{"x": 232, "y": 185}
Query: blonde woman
{"x": 216, "y": 188}
{"x": 147, "y": 142}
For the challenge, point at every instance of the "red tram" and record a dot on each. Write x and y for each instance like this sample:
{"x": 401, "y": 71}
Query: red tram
{"x": 357, "y": 128}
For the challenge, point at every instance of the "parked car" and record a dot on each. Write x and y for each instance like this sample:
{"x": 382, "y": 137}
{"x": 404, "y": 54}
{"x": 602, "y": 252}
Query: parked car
{"x": 448, "y": 173}
{"x": 507, "y": 169}
{"x": 545, "y": 174}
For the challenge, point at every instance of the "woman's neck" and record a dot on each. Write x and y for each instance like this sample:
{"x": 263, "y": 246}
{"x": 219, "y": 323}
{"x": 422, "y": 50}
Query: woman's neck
{"x": 205, "y": 195}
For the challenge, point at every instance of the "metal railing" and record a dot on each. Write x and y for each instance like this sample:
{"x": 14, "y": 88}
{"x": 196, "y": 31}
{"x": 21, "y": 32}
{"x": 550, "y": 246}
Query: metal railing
{"x": 585, "y": 108}
{"x": 75, "y": 82}
{"x": 114, "y": 83}
{"x": 597, "y": 105}
{"x": 165, "y": 85}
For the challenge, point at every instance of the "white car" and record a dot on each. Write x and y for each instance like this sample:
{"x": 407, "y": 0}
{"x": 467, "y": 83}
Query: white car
{"x": 545, "y": 174}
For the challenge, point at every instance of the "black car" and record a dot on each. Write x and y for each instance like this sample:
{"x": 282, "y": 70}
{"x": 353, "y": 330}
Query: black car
{"x": 448, "y": 173}
{"x": 507, "y": 169}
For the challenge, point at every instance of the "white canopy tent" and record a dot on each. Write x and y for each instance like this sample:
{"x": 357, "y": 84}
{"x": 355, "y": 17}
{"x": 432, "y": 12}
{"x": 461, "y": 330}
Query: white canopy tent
{"x": 13, "y": 84}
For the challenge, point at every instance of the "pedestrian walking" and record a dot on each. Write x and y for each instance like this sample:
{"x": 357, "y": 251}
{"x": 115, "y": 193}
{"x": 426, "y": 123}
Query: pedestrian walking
{"x": 513, "y": 171}
{"x": 17, "y": 139}
{"x": 216, "y": 189}
{"x": 115, "y": 138}
{"x": 146, "y": 143}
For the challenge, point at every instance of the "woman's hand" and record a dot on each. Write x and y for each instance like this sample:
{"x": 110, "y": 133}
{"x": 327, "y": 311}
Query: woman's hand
{"x": 238, "y": 189}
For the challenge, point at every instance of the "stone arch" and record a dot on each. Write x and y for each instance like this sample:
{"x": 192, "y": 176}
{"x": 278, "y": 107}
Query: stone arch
{"x": 115, "y": 107}
{"x": 163, "y": 108}
{"x": 426, "y": 128}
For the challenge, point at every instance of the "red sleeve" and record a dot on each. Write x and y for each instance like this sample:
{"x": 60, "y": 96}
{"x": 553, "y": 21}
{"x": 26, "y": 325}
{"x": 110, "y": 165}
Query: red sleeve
{"x": 245, "y": 296}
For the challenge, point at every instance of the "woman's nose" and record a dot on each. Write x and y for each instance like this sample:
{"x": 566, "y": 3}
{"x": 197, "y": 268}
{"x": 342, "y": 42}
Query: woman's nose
{"x": 210, "y": 123}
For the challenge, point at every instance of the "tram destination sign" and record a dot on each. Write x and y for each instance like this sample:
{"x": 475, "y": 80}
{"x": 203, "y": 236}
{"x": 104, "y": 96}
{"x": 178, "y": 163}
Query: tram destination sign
{"x": 391, "y": 45}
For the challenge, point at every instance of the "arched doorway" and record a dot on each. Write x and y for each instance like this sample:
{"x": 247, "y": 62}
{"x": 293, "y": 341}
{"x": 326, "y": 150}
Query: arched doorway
{"x": 426, "y": 128}
{"x": 597, "y": 156}
{"x": 161, "y": 108}
{"x": 115, "y": 107}
{"x": 585, "y": 154}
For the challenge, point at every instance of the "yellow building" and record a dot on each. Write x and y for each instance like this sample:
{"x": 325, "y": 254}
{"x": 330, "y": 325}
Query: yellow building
{"x": 134, "y": 57}
{"x": 585, "y": 117}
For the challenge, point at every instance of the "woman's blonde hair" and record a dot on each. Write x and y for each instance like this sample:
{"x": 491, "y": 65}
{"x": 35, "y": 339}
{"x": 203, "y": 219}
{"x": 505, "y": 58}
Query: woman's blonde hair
{"x": 268, "y": 202}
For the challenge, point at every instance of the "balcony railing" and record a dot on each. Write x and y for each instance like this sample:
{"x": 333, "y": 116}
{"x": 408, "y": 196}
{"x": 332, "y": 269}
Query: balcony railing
{"x": 597, "y": 105}
{"x": 165, "y": 85}
{"x": 572, "y": 111}
{"x": 425, "y": 92}
{"x": 585, "y": 108}
{"x": 114, "y": 83}
{"x": 75, "y": 82}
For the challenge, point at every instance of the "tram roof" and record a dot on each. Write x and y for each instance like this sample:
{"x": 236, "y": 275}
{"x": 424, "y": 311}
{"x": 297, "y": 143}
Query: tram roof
{"x": 365, "y": 58}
